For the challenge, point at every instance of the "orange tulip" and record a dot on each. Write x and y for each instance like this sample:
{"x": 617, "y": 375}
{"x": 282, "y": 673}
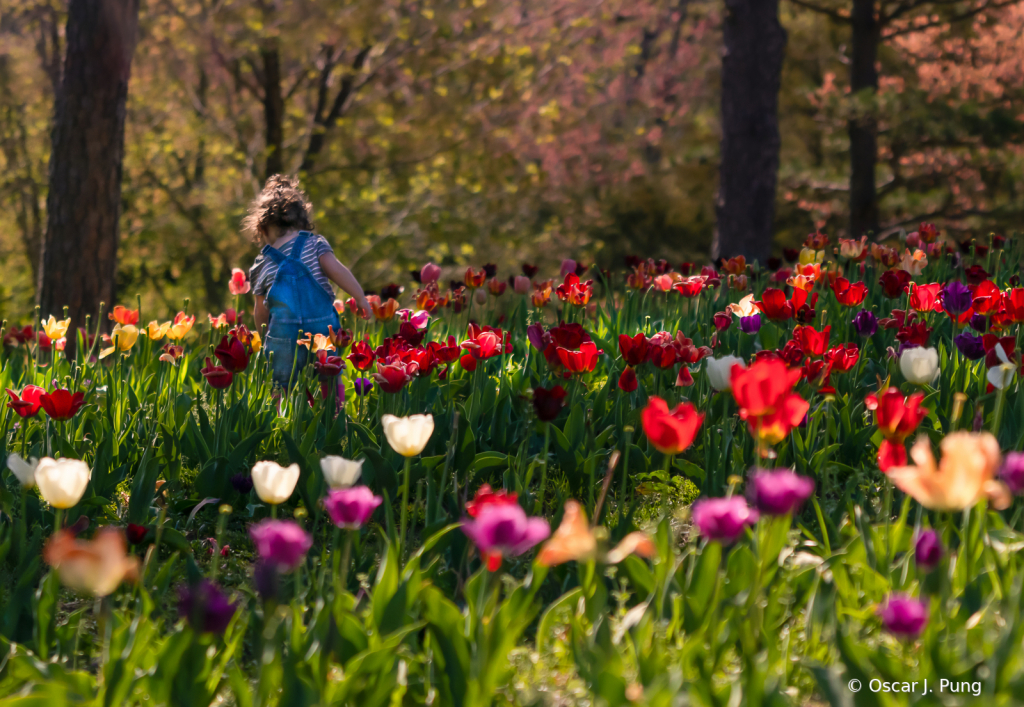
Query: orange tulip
{"x": 384, "y": 312}
{"x": 574, "y": 540}
{"x": 123, "y": 315}
{"x": 181, "y": 326}
{"x": 156, "y": 331}
{"x": 95, "y": 566}
{"x": 965, "y": 475}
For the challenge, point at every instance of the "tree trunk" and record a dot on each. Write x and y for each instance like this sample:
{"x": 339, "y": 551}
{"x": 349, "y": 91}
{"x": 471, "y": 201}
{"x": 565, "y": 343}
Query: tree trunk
{"x": 273, "y": 107}
{"x": 862, "y": 127}
{"x": 79, "y": 259}
{"x": 755, "y": 44}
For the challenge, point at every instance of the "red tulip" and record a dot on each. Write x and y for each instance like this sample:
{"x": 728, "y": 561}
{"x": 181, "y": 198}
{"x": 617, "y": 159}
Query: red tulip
{"x": 723, "y": 320}
{"x": 445, "y": 352}
{"x": 634, "y": 350}
{"x": 893, "y": 282}
{"x": 484, "y": 497}
{"x": 775, "y": 305}
{"x": 61, "y": 404}
{"x": 989, "y": 341}
{"x": 233, "y": 354}
{"x": 813, "y": 342}
{"x": 548, "y": 402}
{"x": 987, "y": 297}
{"x": 916, "y": 333}
{"x": 1012, "y": 305}
{"x": 582, "y": 361}
{"x": 124, "y": 316}
{"x": 685, "y": 377}
{"x": 843, "y": 358}
{"x": 925, "y": 298}
{"x": 670, "y": 431}
{"x": 485, "y": 345}
{"x": 849, "y": 294}
{"x": 327, "y": 365}
{"x": 575, "y": 292}
{"x": 897, "y": 417}
{"x": 627, "y": 380}
{"x": 362, "y": 356}
{"x": 391, "y": 377}
{"x": 691, "y": 286}
{"x": 217, "y": 376}
{"x": 26, "y": 405}
{"x": 764, "y": 394}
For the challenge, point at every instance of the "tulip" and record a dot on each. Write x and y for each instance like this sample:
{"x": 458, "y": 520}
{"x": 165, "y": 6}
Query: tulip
{"x": 568, "y": 266}
{"x": 956, "y": 297}
{"x": 780, "y": 492}
{"x": 1012, "y": 472}
{"x": 502, "y": 530}
{"x": 239, "y": 284}
{"x": 24, "y": 471}
{"x": 751, "y": 324}
{"x": 217, "y": 376}
{"x": 670, "y": 432}
{"x": 764, "y": 395}
{"x": 521, "y": 285}
{"x": 281, "y": 544}
{"x": 28, "y": 403}
{"x": 965, "y": 475}
{"x": 920, "y": 365}
{"x": 548, "y": 402}
{"x": 572, "y": 540}
{"x": 242, "y": 482}
{"x": 181, "y": 326}
{"x": 351, "y": 508}
{"x": 896, "y": 418}
{"x": 720, "y": 371}
{"x": 274, "y": 483}
{"x": 340, "y": 472}
{"x": 484, "y": 496}
{"x": 362, "y": 386}
{"x": 903, "y": 615}
{"x": 232, "y": 354}
{"x": 61, "y": 405}
{"x": 627, "y": 379}
{"x": 123, "y": 315}
{"x": 156, "y": 331}
{"x": 136, "y": 533}
{"x": 94, "y": 567}
{"x": 430, "y": 273}
{"x": 979, "y": 322}
{"x": 1002, "y": 375}
{"x": 122, "y": 338}
{"x": 56, "y": 329}
{"x": 928, "y": 550}
{"x": 866, "y": 323}
{"x": 972, "y": 347}
{"x": 723, "y": 519}
{"x": 408, "y": 435}
{"x": 204, "y": 605}
{"x": 62, "y": 482}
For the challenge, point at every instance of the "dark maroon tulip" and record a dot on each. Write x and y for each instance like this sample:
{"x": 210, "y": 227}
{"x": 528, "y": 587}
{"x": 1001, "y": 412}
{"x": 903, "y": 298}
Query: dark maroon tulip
{"x": 548, "y": 402}
{"x": 217, "y": 376}
{"x": 233, "y": 354}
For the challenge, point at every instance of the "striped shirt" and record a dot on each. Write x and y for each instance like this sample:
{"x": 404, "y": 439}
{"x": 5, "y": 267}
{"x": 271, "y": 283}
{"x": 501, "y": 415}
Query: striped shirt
{"x": 264, "y": 269}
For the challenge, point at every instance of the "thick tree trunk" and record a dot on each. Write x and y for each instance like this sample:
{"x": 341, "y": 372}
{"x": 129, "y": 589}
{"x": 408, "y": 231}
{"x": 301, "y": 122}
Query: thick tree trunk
{"x": 862, "y": 127}
{"x": 755, "y": 44}
{"x": 79, "y": 259}
{"x": 273, "y": 108}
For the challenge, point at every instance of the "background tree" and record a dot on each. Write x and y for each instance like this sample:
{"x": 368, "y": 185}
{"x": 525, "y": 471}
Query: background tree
{"x": 754, "y": 47}
{"x": 79, "y": 261}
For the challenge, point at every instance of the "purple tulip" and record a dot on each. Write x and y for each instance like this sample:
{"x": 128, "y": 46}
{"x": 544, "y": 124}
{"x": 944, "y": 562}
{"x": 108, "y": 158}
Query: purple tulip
{"x": 282, "y": 543}
{"x": 242, "y": 482}
{"x": 751, "y": 324}
{"x": 723, "y": 519}
{"x": 928, "y": 550}
{"x": 970, "y": 346}
{"x": 780, "y": 492}
{"x": 205, "y": 607}
{"x": 568, "y": 266}
{"x": 866, "y": 323}
{"x": 350, "y": 508}
{"x": 362, "y": 385}
{"x": 504, "y": 529}
{"x": 956, "y": 297}
{"x": 979, "y": 322}
{"x": 1013, "y": 472}
{"x": 535, "y": 333}
{"x": 903, "y": 615}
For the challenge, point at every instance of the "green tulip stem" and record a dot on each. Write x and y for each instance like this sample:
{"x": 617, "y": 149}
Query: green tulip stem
{"x": 405, "y": 504}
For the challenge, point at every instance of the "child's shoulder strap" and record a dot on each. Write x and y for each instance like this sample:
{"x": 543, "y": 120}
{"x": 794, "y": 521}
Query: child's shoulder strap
{"x": 300, "y": 244}
{"x": 274, "y": 254}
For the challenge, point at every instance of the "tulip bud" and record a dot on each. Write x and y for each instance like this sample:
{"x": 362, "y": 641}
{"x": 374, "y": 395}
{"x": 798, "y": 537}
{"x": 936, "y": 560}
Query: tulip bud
{"x": 522, "y": 285}
{"x": 340, "y": 472}
{"x": 920, "y": 365}
{"x": 720, "y": 371}
{"x": 568, "y": 266}
{"x": 408, "y": 435}
{"x": 480, "y": 296}
{"x": 928, "y": 550}
{"x": 430, "y": 273}
{"x": 274, "y": 483}
{"x": 62, "y": 482}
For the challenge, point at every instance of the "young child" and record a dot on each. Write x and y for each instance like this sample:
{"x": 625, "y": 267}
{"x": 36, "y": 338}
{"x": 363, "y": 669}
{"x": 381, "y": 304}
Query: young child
{"x": 293, "y": 273}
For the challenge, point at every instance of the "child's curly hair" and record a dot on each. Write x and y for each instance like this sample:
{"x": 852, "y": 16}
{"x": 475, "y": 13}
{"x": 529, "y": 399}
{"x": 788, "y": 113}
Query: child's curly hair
{"x": 282, "y": 203}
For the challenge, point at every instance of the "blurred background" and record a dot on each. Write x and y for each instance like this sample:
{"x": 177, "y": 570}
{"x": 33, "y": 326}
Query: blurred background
{"x": 495, "y": 131}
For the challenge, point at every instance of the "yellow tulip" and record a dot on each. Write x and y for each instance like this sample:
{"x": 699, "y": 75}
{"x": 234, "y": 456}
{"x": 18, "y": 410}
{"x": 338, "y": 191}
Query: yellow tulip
{"x": 156, "y": 331}
{"x": 255, "y": 342}
{"x": 56, "y": 328}
{"x": 123, "y": 338}
{"x": 181, "y": 326}
{"x": 809, "y": 256}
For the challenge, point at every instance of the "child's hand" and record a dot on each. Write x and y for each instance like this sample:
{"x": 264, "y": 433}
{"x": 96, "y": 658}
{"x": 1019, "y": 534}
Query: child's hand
{"x": 364, "y": 307}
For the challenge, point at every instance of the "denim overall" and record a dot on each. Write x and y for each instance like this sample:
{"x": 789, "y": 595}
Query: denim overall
{"x": 296, "y": 302}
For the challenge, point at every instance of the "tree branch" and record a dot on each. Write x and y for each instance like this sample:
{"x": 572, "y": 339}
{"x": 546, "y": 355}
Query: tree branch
{"x": 827, "y": 11}
{"x": 966, "y": 15}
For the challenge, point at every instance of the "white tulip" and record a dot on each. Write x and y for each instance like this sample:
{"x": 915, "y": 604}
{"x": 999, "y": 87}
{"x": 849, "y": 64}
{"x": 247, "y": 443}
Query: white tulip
{"x": 25, "y": 471}
{"x": 919, "y": 365}
{"x": 274, "y": 483}
{"x": 720, "y": 371}
{"x": 999, "y": 376}
{"x": 408, "y": 435}
{"x": 340, "y": 472}
{"x": 62, "y": 482}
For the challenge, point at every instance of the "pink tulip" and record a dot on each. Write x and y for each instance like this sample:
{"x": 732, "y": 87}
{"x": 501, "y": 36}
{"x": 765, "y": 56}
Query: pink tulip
{"x": 521, "y": 285}
{"x": 430, "y": 273}
{"x": 239, "y": 284}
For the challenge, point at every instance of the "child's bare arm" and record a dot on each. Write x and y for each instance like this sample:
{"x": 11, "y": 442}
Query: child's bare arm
{"x": 262, "y": 314}
{"x": 343, "y": 278}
